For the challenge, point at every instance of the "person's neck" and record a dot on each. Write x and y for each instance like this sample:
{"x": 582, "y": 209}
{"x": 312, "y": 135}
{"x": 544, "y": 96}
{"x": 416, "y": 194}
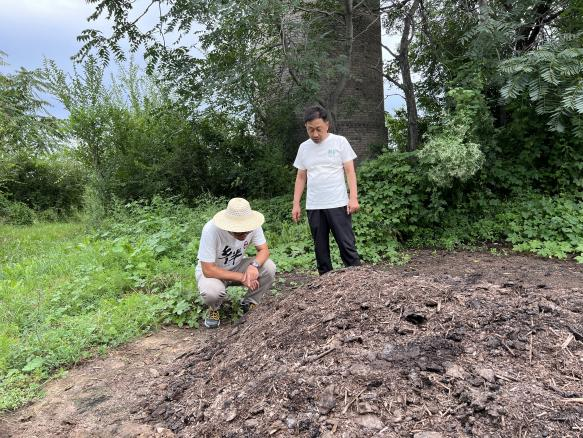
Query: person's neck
{"x": 325, "y": 138}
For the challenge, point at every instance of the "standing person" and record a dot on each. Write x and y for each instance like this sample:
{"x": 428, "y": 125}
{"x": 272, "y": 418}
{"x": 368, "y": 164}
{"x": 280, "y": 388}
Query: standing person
{"x": 323, "y": 161}
{"x": 222, "y": 261}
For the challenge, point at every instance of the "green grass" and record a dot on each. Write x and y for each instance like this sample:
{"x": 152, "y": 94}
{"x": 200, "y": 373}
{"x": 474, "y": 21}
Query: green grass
{"x": 68, "y": 292}
{"x": 63, "y": 295}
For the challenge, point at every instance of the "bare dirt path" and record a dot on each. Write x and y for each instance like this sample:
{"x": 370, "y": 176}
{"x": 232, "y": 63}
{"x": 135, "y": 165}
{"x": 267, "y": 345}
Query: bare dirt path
{"x": 452, "y": 344}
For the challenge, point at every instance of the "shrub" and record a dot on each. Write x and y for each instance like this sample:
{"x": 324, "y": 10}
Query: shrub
{"x": 16, "y": 213}
{"x": 54, "y": 182}
{"x": 392, "y": 196}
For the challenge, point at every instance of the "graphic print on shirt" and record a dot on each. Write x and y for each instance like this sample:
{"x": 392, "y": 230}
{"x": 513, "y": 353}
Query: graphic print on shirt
{"x": 229, "y": 256}
{"x": 332, "y": 152}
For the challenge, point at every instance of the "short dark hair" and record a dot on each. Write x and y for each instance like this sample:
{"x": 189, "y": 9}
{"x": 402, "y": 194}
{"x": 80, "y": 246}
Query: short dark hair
{"x": 315, "y": 112}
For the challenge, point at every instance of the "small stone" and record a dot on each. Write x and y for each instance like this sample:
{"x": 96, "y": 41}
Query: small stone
{"x": 429, "y": 434}
{"x": 291, "y": 422}
{"x": 251, "y": 423}
{"x": 397, "y": 416}
{"x": 230, "y": 415}
{"x": 369, "y": 421}
{"x": 366, "y": 408}
{"x": 329, "y": 317}
{"x": 154, "y": 372}
{"x": 455, "y": 371}
{"x": 327, "y": 401}
{"x": 257, "y": 409}
{"x": 364, "y": 306}
{"x": 487, "y": 374}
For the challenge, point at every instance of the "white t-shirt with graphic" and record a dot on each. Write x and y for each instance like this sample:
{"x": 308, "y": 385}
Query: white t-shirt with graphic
{"x": 219, "y": 247}
{"x": 324, "y": 163}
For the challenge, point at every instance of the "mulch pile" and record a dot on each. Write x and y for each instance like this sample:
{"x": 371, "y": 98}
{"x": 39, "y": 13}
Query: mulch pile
{"x": 368, "y": 352}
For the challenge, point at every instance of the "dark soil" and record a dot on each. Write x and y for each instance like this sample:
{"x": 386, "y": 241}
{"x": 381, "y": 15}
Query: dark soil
{"x": 450, "y": 345}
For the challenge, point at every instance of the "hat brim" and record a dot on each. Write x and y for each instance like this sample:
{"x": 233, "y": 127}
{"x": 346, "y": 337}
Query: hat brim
{"x": 239, "y": 224}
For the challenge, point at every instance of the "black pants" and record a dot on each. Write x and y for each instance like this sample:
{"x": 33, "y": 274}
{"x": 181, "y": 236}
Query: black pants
{"x": 340, "y": 223}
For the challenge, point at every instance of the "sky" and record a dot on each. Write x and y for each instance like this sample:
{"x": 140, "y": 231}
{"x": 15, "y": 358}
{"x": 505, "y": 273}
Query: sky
{"x": 31, "y": 30}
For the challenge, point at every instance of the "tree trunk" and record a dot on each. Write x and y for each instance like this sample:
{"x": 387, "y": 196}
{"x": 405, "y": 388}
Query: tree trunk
{"x": 407, "y": 87}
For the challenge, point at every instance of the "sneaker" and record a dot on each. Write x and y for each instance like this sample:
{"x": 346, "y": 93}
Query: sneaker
{"x": 213, "y": 319}
{"x": 247, "y": 306}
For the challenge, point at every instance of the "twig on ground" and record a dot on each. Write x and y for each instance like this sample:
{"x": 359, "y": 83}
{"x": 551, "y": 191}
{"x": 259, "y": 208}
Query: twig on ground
{"x": 505, "y": 345}
{"x": 352, "y": 401}
{"x": 567, "y": 341}
{"x": 573, "y": 400}
{"x": 507, "y": 378}
{"x": 320, "y": 356}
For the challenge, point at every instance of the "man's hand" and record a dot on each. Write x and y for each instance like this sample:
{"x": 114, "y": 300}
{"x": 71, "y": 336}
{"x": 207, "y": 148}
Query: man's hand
{"x": 352, "y": 206}
{"x": 252, "y": 273}
{"x": 250, "y": 279}
{"x": 296, "y": 213}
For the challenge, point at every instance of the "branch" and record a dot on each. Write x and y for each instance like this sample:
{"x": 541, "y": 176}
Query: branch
{"x": 160, "y": 16}
{"x": 318, "y": 11}
{"x": 393, "y": 81}
{"x": 388, "y": 78}
{"x": 289, "y": 68}
{"x": 393, "y": 6}
{"x": 394, "y": 55}
{"x": 410, "y": 40}
{"x": 377, "y": 18}
{"x": 425, "y": 25}
{"x": 145, "y": 12}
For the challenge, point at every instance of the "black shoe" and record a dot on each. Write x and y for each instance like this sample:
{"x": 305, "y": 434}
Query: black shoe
{"x": 247, "y": 306}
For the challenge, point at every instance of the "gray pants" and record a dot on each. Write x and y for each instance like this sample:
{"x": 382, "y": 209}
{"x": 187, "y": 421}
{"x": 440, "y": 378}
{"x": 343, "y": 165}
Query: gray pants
{"x": 213, "y": 291}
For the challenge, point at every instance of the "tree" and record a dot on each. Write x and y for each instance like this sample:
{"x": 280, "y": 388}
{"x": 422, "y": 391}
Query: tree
{"x": 401, "y": 17}
{"x": 25, "y": 124}
{"x": 27, "y": 130}
{"x": 259, "y": 56}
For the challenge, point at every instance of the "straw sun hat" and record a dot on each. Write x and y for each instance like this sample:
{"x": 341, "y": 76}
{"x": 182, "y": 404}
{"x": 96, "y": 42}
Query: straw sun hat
{"x": 238, "y": 217}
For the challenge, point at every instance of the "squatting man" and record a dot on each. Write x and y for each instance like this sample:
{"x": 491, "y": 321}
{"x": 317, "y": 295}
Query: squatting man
{"x": 222, "y": 262}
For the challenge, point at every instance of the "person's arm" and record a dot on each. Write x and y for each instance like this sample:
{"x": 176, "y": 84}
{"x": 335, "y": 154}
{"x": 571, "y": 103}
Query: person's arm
{"x": 350, "y": 172}
{"x": 211, "y": 270}
{"x": 301, "y": 178}
{"x": 262, "y": 254}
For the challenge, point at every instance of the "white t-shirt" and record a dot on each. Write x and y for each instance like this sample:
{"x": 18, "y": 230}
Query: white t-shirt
{"x": 219, "y": 247}
{"x": 324, "y": 163}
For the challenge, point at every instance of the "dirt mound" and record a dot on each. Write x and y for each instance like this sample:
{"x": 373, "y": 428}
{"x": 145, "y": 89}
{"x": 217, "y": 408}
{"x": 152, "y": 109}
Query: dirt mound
{"x": 363, "y": 352}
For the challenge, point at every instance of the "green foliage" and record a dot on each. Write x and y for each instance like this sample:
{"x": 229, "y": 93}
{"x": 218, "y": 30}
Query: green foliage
{"x": 53, "y": 182}
{"x": 32, "y": 177}
{"x": 15, "y": 212}
{"x": 549, "y": 227}
{"x": 17, "y": 389}
{"x": 397, "y": 127}
{"x": 450, "y": 155}
{"x": 552, "y": 78}
{"x": 138, "y": 142}
{"x": 392, "y": 198}
{"x": 25, "y": 125}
